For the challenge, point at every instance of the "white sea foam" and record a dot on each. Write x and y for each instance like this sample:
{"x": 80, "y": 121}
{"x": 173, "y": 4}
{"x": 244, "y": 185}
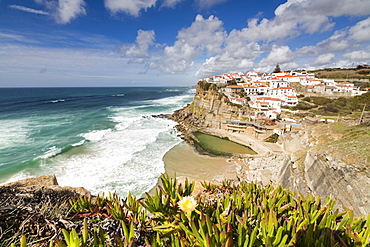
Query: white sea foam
{"x": 96, "y": 135}
{"x": 13, "y": 132}
{"x": 125, "y": 158}
{"x": 55, "y": 101}
{"x": 80, "y": 143}
{"x": 51, "y": 152}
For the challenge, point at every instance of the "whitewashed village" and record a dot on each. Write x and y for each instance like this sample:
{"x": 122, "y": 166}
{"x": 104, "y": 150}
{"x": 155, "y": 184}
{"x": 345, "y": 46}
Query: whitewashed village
{"x": 269, "y": 94}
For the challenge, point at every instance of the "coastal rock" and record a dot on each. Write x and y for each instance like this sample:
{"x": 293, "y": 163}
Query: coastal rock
{"x": 48, "y": 180}
{"x": 44, "y": 182}
{"x": 29, "y": 206}
{"x": 312, "y": 170}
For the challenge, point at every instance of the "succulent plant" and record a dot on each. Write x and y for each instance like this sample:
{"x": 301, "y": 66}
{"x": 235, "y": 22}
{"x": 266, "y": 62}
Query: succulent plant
{"x": 242, "y": 214}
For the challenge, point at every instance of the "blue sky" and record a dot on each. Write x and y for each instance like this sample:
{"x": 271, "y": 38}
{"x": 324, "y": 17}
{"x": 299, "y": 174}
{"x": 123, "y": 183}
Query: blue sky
{"x": 64, "y": 43}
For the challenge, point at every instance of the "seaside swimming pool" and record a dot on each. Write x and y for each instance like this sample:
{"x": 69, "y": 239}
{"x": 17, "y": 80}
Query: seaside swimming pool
{"x": 221, "y": 146}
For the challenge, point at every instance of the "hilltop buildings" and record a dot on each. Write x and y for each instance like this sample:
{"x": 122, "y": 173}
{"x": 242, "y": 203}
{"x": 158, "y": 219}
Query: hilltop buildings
{"x": 267, "y": 93}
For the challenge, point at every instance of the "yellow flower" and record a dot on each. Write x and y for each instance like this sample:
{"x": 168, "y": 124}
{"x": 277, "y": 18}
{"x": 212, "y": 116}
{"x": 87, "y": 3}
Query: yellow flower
{"x": 187, "y": 204}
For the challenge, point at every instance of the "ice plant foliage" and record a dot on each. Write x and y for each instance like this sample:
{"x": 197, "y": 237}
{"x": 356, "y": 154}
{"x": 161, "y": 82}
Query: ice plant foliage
{"x": 187, "y": 204}
{"x": 229, "y": 214}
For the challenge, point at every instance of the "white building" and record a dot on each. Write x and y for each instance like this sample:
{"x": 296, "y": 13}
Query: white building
{"x": 282, "y": 91}
{"x": 277, "y": 83}
{"x": 238, "y": 101}
{"x": 290, "y": 100}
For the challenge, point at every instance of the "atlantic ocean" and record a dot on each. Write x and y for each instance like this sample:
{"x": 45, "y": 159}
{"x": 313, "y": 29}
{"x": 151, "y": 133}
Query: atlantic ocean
{"x": 103, "y": 139}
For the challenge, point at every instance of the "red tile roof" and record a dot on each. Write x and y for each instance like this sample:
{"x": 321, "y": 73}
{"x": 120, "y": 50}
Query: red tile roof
{"x": 235, "y": 86}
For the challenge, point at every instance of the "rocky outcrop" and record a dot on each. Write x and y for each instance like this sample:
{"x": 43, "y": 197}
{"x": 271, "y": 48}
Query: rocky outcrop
{"x": 44, "y": 182}
{"x": 322, "y": 175}
{"x": 209, "y": 109}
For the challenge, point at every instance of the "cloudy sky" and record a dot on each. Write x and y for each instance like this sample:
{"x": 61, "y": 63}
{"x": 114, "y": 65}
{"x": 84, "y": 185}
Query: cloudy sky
{"x": 62, "y": 43}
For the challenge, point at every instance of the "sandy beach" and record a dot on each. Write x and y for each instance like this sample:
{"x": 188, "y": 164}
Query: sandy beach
{"x": 183, "y": 160}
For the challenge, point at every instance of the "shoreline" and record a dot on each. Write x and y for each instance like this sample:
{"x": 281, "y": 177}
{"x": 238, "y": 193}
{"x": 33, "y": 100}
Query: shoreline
{"x": 183, "y": 161}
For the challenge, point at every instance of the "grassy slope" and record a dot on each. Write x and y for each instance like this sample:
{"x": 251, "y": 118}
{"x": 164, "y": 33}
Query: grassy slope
{"x": 343, "y": 73}
{"x": 350, "y": 143}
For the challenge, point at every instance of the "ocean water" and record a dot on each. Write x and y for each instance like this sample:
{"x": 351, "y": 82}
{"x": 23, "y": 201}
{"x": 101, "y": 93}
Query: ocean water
{"x": 103, "y": 139}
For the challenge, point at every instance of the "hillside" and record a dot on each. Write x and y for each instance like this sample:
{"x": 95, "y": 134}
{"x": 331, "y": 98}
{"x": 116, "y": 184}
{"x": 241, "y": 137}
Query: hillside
{"x": 337, "y": 73}
{"x": 349, "y": 143}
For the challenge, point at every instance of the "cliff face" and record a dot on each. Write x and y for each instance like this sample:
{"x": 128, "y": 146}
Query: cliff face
{"x": 320, "y": 175}
{"x": 209, "y": 109}
{"x": 301, "y": 165}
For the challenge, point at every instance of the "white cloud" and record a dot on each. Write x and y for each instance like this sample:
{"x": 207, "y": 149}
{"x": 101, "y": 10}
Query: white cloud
{"x": 314, "y": 15}
{"x": 337, "y": 42}
{"x": 358, "y": 55}
{"x": 176, "y": 58}
{"x": 208, "y": 34}
{"x": 222, "y": 64}
{"x": 138, "y": 52}
{"x": 33, "y": 11}
{"x": 68, "y": 10}
{"x": 268, "y": 30}
{"x": 237, "y": 55}
{"x": 64, "y": 11}
{"x": 15, "y": 37}
{"x": 26, "y": 65}
{"x": 170, "y": 3}
{"x": 324, "y": 59}
{"x": 204, "y": 4}
{"x": 361, "y": 31}
{"x": 207, "y": 48}
{"x": 307, "y": 51}
{"x": 192, "y": 42}
{"x": 131, "y": 7}
{"x": 278, "y": 55}
{"x": 302, "y": 16}
{"x": 30, "y": 61}
{"x": 270, "y": 68}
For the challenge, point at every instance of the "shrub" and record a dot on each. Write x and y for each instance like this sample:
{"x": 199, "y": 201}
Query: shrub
{"x": 304, "y": 106}
{"x": 228, "y": 214}
{"x": 320, "y": 100}
{"x": 329, "y": 108}
{"x": 341, "y": 101}
{"x": 272, "y": 138}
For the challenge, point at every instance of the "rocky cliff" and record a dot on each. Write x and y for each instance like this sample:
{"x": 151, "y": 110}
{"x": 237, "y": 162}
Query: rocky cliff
{"x": 301, "y": 164}
{"x": 209, "y": 109}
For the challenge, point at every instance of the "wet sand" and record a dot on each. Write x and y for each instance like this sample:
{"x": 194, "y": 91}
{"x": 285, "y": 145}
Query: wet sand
{"x": 183, "y": 160}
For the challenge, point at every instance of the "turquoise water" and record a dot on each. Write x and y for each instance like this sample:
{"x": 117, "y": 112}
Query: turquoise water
{"x": 103, "y": 139}
{"x": 220, "y": 145}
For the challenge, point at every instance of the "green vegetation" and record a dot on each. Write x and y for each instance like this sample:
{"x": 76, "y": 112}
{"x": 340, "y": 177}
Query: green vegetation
{"x": 350, "y": 143}
{"x": 205, "y": 86}
{"x": 228, "y": 214}
{"x": 332, "y": 107}
{"x": 272, "y": 138}
{"x": 277, "y": 69}
{"x": 337, "y": 73}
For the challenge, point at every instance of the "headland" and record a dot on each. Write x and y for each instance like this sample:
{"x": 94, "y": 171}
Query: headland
{"x": 317, "y": 154}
